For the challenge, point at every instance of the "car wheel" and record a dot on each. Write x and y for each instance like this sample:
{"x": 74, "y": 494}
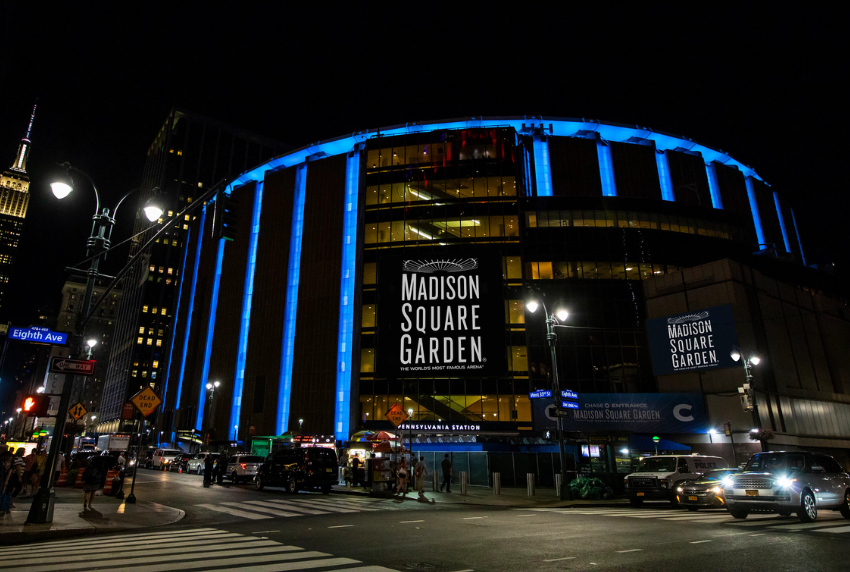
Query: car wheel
{"x": 845, "y": 508}
{"x": 636, "y": 502}
{"x": 808, "y": 508}
{"x": 291, "y": 486}
{"x": 258, "y": 483}
{"x": 737, "y": 513}
{"x": 693, "y": 508}
{"x": 235, "y": 478}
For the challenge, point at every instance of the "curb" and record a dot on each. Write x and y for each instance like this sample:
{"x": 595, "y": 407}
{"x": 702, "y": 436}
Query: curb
{"x": 466, "y": 501}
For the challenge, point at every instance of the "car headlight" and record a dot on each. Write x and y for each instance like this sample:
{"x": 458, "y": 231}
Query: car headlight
{"x": 728, "y": 483}
{"x": 679, "y": 489}
{"x": 716, "y": 490}
{"x": 785, "y": 482}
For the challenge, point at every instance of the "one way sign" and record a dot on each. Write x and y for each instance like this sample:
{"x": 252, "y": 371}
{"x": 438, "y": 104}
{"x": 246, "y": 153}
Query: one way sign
{"x": 72, "y": 366}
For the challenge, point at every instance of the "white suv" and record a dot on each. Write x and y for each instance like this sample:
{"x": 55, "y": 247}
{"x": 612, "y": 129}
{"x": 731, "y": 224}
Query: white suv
{"x": 656, "y": 477}
{"x": 162, "y": 457}
{"x": 195, "y": 464}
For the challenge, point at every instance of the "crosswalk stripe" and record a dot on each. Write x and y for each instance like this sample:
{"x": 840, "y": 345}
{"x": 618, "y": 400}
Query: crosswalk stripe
{"x": 242, "y": 543}
{"x": 133, "y": 537}
{"x": 233, "y": 511}
{"x": 345, "y": 505}
{"x": 117, "y": 541}
{"x": 839, "y": 530}
{"x": 294, "y": 506}
{"x": 807, "y": 525}
{"x": 703, "y": 517}
{"x": 324, "y": 507}
{"x": 291, "y": 566}
{"x": 260, "y": 508}
{"x": 135, "y": 564}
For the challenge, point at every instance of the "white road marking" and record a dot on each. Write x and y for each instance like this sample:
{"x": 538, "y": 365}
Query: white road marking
{"x": 559, "y": 559}
{"x": 526, "y": 515}
{"x": 341, "y": 526}
{"x": 807, "y": 525}
{"x": 630, "y": 550}
{"x": 119, "y": 541}
{"x": 264, "y": 531}
{"x": 839, "y": 530}
{"x": 297, "y": 507}
{"x": 174, "y": 535}
{"x": 276, "y": 567}
{"x": 473, "y": 517}
{"x": 759, "y": 534}
{"x": 409, "y": 521}
{"x": 323, "y": 506}
{"x": 260, "y": 508}
{"x": 233, "y": 511}
{"x": 701, "y": 541}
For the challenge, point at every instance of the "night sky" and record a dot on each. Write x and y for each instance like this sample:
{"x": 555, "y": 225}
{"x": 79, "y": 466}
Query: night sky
{"x": 766, "y": 85}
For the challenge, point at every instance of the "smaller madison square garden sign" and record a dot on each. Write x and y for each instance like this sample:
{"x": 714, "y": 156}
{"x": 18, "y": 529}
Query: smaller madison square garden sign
{"x": 441, "y": 316}
{"x": 698, "y": 340}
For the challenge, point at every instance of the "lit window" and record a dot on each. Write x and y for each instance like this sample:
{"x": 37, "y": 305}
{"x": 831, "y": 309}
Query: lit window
{"x": 163, "y": 311}
{"x": 168, "y": 281}
{"x": 140, "y": 340}
{"x": 135, "y": 373}
{"x": 170, "y": 213}
{"x": 142, "y": 330}
{"x": 153, "y": 268}
{"x": 179, "y": 152}
{"x": 154, "y": 310}
{"x": 155, "y": 364}
{"x": 150, "y": 341}
{"x": 186, "y": 217}
{"x": 171, "y": 150}
{"x": 170, "y": 270}
{"x": 189, "y": 199}
{"x": 158, "y": 343}
{"x": 161, "y": 269}
{"x": 159, "y": 332}
{"x": 144, "y": 373}
{"x": 185, "y": 227}
{"x": 200, "y": 186}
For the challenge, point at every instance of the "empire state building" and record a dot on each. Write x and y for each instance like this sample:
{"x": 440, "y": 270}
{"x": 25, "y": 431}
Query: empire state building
{"x": 14, "y": 199}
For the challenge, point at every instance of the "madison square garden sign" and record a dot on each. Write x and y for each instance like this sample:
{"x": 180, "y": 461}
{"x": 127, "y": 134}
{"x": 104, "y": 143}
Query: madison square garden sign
{"x": 441, "y": 316}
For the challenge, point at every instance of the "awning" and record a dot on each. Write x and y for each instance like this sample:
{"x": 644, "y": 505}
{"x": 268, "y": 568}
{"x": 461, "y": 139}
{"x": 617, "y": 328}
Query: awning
{"x": 645, "y": 443}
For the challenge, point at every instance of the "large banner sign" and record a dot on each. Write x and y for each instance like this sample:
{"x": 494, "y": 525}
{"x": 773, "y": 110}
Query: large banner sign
{"x": 694, "y": 341}
{"x": 441, "y": 317}
{"x": 637, "y": 412}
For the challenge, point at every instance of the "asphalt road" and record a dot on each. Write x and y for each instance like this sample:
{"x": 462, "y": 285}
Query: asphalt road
{"x": 259, "y": 531}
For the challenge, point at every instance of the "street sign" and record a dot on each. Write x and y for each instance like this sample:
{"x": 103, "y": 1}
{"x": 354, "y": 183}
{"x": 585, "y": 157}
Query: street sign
{"x": 397, "y": 415}
{"x": 539, "y": 393}
{"x": 146, "y": 401}
{"x": 127, "y": 411}
{"x": 562, "y": 413}
{"x": 569, "y": 394}
{"x": 77, "y": 411}
{"x": 569, "y": 405}
{"x": 38, "y": 334}
{"x": 72, "y": 366}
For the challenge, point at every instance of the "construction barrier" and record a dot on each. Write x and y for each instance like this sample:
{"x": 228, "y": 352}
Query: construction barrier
{"x": 78, "y": 484}
{"x": 62, "y": 481}
{"x": 107, "y": 487}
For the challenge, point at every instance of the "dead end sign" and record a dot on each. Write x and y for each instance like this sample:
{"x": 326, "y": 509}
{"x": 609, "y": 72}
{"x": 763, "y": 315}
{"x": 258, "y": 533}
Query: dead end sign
{"x": 146, "y": 401}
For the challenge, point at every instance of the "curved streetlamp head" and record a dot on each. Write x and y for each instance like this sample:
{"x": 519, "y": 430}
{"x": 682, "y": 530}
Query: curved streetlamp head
{"x": 755, "y": 360}
{"x": 562, "y": 314}
{"x": 209, "y": 386}
{"x": 152, "y": 208}
{"x": 20, "y": 409}
{"x": 91, "y": 343}
{"x": 40, "y": 389}
{"x": 216, "y": 383}
{"x": 532, "y": 306}
{"x": 735, "y": 355}
{"x": 93, "y": 417}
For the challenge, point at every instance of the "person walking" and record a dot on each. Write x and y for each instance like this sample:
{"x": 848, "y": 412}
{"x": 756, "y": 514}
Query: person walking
{"x": 446, "y": 465}
{"x": 93, "y": 478}
{"x": 401, "y": 487}
{"x": 419, "y": 471}
{"x": 29, "y": 464}
{"x": 209, "y": 467}
{"x": 5, "y": 482}
{"x": 18, "y": 472}
{"x": 221, "y": 468}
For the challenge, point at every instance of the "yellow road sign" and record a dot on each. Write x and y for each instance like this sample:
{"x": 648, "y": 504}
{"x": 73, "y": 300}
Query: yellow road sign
{"x": 77, "y": 411}
{"x": 397, "y": 415}
{"x": 146, "y": 401}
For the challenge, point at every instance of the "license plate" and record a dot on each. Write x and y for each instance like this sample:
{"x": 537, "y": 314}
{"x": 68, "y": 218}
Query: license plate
{"x": 640, "y": 494}
{"x": 692, "y": 498}
{"x": 330, "y": 470}
{"x": 752, "y": 493}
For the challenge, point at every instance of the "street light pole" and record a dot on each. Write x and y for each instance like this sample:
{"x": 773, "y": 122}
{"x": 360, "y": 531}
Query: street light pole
{"x": 748, "y": 361}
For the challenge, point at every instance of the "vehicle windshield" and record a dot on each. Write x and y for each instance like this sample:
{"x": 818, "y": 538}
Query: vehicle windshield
{"x": 776, "y": 463}
{"x": 717, "y": 475}
{"x": 657, "y": 465}
{"x": 251, "y": 459}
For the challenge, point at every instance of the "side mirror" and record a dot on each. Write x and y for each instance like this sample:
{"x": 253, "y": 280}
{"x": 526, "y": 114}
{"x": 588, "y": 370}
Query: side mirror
{"x": 818, "y": 469}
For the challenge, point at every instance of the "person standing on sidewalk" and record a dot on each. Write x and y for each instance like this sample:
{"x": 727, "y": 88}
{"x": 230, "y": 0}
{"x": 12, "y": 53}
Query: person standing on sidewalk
{"x": 401, "y": 487}
{"x": 92, "y": 481}
{"x": 446, "y": 465}
{"x": 209, "y": 467}
{"x": 420, "y": 470}
{"x": 5, "y": 482}
{"x": 18, "y": 471}
{"x": 29, "y": 467}
{"x": 60, "y": 464}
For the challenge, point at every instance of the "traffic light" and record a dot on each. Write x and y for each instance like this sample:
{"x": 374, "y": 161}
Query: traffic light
{"x": 225, "y": 213}
{"x": 35, "y": 405}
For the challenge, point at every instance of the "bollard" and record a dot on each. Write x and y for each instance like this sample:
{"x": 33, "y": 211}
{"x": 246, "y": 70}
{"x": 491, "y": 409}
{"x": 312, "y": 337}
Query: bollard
{"x": 558, "y": 485}
{"x": 497, "y": 483}
{"x": 436, "y": 483}
{"x": 463, "y": 482}
{"x": 530, "y": 478}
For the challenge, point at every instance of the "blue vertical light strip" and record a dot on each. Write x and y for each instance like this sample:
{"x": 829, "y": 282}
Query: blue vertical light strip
{"x": 247, "y": 298}
{"x": 177, "y": 315}
{"x": 346, "y": 299}
{"x": 664, "y": 176}
{"x": 542, "y": 168}
{"x": 606, "y": 169}
{"x": 191, "y": 307}
{"x": 291, "y": 312}
{"x": 754, "y": 207}
{"x": 781, "y": 222}
{"x": 205, "y": 371}
{"x": 797, "y": 232}
{"x": 710, "y": 172}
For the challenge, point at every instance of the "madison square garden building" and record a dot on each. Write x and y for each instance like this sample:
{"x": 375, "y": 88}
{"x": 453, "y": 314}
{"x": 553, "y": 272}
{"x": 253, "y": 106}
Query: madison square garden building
{"x": 394, "y": 265}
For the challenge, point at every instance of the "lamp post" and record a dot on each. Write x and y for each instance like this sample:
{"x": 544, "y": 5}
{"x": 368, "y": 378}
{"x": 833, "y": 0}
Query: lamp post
{"x": 210, "y": 414}
{"x": 97, "y": 245}
{"x": 410, "y": 431}
{"x": 552, "y": 339}
{"x": 300, "y": 423}
{"x": 748, "y": 360}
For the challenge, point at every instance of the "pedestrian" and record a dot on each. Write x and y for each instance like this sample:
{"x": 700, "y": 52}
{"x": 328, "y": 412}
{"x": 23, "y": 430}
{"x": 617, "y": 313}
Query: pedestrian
{"x": 18, "y": 471}
{"x": 221, "y": 468}
{"x": 420, "y": 470}
{"x": 29, "y": 464}
{"x": 355, "y": 470}
{"x": 209, "y": 467}
{"x": 5, "y": 485}
{"x": 401, "y": 487}
{"x": 446, "y": 465}
{"x": 39, "y": 468}
{"x": 93, "y": 478}
{"x": 60, "y": 465}
{"x": 121, "y": 461}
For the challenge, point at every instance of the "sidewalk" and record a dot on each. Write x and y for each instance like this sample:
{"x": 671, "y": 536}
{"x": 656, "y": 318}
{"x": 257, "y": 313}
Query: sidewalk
{"x": 109, "y": 515}
{"x": 483, "y": 496}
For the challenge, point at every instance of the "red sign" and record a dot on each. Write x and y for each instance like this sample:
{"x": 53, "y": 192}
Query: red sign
{"x": 128, "y": 411}
{"x": 396, "y": 414}
{"x": 72, "y": 366}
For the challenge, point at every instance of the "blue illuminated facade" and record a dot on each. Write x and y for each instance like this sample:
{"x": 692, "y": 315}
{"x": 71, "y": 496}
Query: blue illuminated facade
{"x": 188, "y": 326}
{"x": 202, "y": 395}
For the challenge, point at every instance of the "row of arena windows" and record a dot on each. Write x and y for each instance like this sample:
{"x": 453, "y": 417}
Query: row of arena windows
{"x": 442, "y": 228}
{"x": 471, "y": 407}
{"x": 622, "y": 219}
{"x": 514, "y": 313}
{"x": 517, "y": 359}
{"x": 473, "y": 146}
{"x": 441, "y": 189}
{"x": 597, "y": 270}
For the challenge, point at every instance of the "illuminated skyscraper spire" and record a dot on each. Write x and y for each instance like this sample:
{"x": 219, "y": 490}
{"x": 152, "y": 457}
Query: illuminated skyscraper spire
{"x": 24, "y": 147}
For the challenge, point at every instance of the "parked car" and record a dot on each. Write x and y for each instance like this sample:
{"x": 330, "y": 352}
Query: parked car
{"x": 162, "y": 457}
{"x": 657, "y": 477}
{"x": 787, "y": 483}
{"x": 178, "y": 463}
{"x": 296, "y": 469}
{"x": 195, "y": 463}
{"x": 705, "y": 491}
{"x": 243, "y": 467}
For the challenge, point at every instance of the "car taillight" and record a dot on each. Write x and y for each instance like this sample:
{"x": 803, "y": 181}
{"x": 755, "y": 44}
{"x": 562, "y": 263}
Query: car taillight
{"x": 243, "y": 465}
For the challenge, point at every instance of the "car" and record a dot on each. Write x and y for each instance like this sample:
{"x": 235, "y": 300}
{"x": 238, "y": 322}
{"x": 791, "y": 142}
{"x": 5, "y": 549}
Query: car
{"x": 162, "y": 457}
{"x": 705, "y": 491}
{"x": 788, "y": 482}
{"x": 178, "y": 463}
{"x": 657, "y": 477}
{"x": 243, "y": 467}
{"x": 195, "y": 463}
{"x": 299, "y": 468}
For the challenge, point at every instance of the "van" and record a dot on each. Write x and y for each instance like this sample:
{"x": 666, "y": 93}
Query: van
{"x": 298, "y": 469}
{"x": 161, "y": 457}
{"x": 656, "y": 476}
